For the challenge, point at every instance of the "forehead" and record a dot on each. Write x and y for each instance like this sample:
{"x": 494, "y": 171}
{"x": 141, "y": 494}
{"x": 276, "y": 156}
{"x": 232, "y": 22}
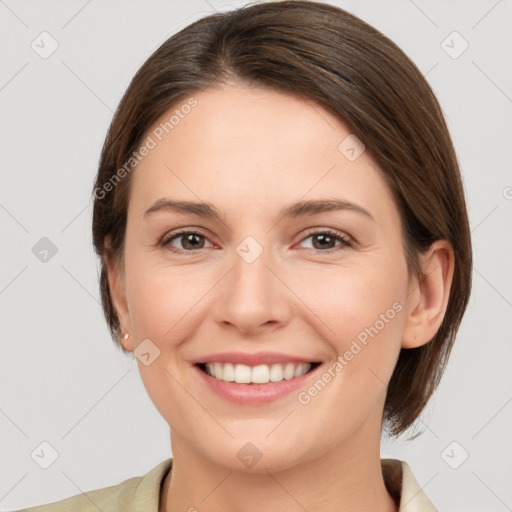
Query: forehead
{"x": 258, "y": 146}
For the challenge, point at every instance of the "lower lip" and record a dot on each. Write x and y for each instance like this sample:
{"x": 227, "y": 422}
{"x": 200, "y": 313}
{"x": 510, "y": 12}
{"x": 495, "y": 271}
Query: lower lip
{"x": 249, "y": 394}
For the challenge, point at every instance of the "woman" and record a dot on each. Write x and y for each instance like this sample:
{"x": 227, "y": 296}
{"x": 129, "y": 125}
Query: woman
{"x": 285, "y": 248}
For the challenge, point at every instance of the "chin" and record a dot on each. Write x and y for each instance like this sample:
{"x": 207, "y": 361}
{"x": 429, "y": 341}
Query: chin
{"x": 256, "y": 456}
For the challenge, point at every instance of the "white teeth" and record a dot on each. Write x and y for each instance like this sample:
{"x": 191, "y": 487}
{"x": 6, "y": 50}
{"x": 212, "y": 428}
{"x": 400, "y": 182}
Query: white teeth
{"x": 261, "y": 374}
{"x": 276, "y": 373}
{"x": 229, "y": 373}
{"x": 217, "y": 370}
{"x": 289, "y": 371}
{"x": 242, "y": 374}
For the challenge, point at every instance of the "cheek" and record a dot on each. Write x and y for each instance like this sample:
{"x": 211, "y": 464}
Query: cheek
{"x": 363, "y": 311}
{"x": 164, "y": 307}
{"x": 162, "y": 301}
{"x": 350, "y": 299}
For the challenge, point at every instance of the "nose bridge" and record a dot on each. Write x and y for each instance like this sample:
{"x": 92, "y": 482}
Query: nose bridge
{"x": 252, "y": 295}
{"x": 250, "y": 267}
{"x": 251, "y": 279}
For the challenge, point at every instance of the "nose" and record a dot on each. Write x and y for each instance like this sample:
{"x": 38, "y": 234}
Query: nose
{"x": 253, "y": 297}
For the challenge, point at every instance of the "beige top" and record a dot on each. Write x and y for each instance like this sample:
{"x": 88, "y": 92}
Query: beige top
{"x": 142, "y": 493}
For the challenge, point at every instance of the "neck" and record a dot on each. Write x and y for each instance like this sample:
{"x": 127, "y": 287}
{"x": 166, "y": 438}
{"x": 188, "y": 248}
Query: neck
{"x": 346, "y": 478}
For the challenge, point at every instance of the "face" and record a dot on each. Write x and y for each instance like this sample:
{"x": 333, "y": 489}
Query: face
{"x": 261, "y": 284}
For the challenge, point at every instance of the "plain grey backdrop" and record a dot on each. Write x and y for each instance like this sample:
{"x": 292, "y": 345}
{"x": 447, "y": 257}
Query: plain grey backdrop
{"x": 64, "y": 68}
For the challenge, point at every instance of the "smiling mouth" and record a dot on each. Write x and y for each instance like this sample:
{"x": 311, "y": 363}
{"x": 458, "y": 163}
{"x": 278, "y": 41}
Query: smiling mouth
{"x": 260, "y": 374}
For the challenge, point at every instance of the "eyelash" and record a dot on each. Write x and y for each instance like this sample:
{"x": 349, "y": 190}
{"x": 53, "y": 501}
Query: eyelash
{"x": 346, "y": 242}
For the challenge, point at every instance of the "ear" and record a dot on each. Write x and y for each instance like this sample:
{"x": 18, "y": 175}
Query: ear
{"x": 116, "y": 281}
{"x": 428, "y": 295}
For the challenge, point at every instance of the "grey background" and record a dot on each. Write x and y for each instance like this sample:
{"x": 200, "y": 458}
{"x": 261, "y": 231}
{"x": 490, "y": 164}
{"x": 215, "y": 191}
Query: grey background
{"x": 63, "y": 382}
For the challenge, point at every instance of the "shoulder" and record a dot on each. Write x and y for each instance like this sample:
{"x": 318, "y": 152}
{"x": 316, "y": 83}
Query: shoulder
{"x": 403, "y": 486}
{"x": 126, "y": 496}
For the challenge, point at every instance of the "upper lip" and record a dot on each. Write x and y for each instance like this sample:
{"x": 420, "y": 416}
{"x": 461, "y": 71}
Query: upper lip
{"x": 252, "y": 359}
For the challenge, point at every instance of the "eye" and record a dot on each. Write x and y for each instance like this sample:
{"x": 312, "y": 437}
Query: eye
{"x": 325, "y": 240}
{"x": 189, "y": 240}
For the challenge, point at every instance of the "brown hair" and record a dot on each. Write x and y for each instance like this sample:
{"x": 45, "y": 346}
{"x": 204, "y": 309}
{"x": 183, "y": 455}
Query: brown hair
{"x": 322, "y": 53}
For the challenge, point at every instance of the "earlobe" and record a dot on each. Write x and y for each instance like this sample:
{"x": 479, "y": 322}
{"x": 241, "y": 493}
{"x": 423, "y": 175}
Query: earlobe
{"x": 126, "y": 342}
{"x": 428, "y": 295}
{"x": 117, "y": 287}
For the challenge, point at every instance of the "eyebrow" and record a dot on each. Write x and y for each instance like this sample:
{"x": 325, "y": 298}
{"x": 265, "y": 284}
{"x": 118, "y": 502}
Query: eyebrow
{"x": 297, "y": 209}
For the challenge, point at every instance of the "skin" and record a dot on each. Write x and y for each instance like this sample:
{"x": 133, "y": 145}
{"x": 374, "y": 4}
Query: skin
{"x": 248, "y": 152}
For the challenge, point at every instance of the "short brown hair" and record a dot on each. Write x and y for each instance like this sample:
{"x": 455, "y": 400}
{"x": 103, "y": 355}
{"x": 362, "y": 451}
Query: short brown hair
{"x": 322, "y": 53}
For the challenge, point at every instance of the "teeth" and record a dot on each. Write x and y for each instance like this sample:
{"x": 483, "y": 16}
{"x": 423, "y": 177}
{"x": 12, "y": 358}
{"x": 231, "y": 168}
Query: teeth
{"x": 228, "y": 373}
{"x": 261, "y": 374}
{"x": 289, "y": 371}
